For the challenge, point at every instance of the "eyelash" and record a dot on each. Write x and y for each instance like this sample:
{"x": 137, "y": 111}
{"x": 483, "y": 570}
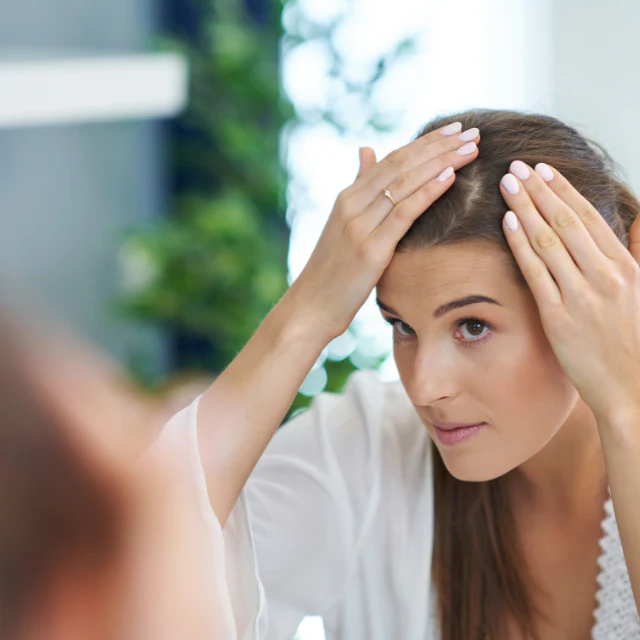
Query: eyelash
{"x": 465, "y": 343}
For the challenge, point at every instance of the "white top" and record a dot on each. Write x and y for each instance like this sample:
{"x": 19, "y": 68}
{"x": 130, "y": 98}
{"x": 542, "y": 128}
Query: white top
{"x": 337, "y": 520}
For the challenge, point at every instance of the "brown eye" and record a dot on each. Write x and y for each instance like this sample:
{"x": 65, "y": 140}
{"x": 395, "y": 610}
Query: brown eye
{"x": 475, "y": 329}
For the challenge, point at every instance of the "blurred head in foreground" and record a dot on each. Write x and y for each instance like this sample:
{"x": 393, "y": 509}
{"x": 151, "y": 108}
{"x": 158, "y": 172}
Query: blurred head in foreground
{"x": 92, "y": 546}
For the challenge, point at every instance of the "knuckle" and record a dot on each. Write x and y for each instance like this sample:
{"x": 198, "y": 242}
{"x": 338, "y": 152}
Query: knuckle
{"x": 369, "y": 253}
{"x": 565, "y": 194}
{"x": 631, "y": 270}
{"x": 555, "y": 312}
{"x": 400, "y": 159}
{"x": 604, "y": 278}
{"x": 536, "y": 271}
{"x": 545, "y": 239}
{"x": 589, "y": 215}
{"x": 343, "y": 203}
{"x": 566, "y": 219}
{"x": 401, "y": 183}
{"x": 616, "y": 283}
{"x": 428, "y": 189}
{"x": 404, "y": 213}
{"x": 353, "y": 232}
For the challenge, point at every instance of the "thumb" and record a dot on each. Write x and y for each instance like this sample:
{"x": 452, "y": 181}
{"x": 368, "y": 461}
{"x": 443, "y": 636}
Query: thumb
{"x": 367, "y": 160}
{"x": 634, "y": 239}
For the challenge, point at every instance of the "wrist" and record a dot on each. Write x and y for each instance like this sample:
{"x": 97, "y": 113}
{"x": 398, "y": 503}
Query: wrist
{"x": 298, "y": 319}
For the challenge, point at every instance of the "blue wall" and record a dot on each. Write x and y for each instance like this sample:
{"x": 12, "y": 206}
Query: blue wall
{"x": 67, "y": 193}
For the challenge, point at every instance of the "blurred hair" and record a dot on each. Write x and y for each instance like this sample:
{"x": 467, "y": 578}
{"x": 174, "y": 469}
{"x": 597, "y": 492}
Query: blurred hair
{"x": 55, "y": 510}
{"x": 478, "y": 567}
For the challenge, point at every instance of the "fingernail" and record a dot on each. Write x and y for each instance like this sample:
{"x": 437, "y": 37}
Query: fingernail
{"x": 510, "y": 183}
{"x": 450, "y": 129}
{"x": 545, "y": 171}
{"x": 445, "y": 175}
{"x": 511, "y": 220}
{"x": 519, "y": 169}
{"x": 468, "y": 148}
{"x": 469, "y": 134}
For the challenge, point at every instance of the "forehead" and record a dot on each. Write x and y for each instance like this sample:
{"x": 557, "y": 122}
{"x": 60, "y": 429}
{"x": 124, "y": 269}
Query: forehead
{"x": 434, "y": 271}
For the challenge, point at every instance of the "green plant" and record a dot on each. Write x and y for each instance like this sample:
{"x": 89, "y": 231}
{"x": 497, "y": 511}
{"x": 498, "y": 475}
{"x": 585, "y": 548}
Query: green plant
{"x": 215, "y": 267}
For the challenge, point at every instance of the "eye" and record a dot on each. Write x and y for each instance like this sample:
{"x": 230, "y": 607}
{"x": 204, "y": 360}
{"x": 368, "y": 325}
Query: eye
{"x": 401, "y": 329}
{"x": 475, "y": 336}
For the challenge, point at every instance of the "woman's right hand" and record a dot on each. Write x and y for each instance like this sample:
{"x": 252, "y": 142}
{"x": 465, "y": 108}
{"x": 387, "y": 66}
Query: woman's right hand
{"x": 364, "y": 227}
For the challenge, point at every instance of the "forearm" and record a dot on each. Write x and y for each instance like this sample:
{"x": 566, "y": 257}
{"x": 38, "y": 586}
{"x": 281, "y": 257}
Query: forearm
{"x": 241, "y": 410}
{"x": 620, "y": 438}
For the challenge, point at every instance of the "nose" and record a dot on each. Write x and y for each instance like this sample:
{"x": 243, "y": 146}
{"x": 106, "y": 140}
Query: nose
{"x": 432, "y": 381}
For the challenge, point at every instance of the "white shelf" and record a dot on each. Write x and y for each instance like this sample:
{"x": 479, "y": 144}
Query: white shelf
{"x": 40, "y": 89}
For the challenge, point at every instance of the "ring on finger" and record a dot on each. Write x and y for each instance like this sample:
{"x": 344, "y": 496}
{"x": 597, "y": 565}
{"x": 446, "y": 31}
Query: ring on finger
{"x": 388, "y": 194}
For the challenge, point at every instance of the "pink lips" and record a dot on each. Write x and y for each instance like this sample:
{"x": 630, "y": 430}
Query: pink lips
{"x": 450, "y": 433}
{"x": 454, "y": 425}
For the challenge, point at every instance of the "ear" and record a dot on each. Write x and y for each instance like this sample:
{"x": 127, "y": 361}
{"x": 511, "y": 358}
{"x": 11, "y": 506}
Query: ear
{"x": 367, "y": 160}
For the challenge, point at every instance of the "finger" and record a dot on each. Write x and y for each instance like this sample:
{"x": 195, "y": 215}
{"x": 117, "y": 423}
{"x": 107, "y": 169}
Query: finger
{"x": 406, "y": 158}
{"x": 603, "y": 236}
{"x": 385, "y": 236}
{"x": 408, "y": 183}
{"x": 367, "y": 160}
{"x": 364, "y": 191}
{"x": 565, "y": 222}
{"x": 534, "y": 269}
{"x": 542, "y": 238}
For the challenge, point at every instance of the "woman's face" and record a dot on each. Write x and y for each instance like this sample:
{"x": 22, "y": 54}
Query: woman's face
{"x": 484, "y": 362}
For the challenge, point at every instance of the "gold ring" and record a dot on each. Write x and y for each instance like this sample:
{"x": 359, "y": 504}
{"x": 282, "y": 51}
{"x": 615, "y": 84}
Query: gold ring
{"x": 388, "y": 194}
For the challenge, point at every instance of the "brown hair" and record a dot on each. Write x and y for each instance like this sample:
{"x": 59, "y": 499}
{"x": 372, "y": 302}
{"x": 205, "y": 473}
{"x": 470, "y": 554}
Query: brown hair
{"x": 55, "y": 512}
{"x": 478, "y": 569}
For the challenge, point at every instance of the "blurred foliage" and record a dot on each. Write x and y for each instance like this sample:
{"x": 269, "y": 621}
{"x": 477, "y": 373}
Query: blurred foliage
{"x": 218, "y": 263}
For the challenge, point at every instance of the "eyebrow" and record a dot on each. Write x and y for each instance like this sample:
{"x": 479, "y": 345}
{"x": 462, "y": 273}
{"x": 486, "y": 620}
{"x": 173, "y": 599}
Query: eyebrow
{"x": 445, "y": 308}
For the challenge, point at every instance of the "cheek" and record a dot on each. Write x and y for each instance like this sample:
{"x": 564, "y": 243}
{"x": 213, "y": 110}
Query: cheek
{"x": 527, "y": 398}
{"x": 529, "y": 407}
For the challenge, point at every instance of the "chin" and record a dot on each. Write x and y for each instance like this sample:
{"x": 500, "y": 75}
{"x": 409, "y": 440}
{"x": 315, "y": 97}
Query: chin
{"x": 466, "y": 469}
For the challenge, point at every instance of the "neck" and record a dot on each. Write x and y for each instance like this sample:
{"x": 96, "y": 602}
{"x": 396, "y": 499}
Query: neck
{"x": 567, "y": 478}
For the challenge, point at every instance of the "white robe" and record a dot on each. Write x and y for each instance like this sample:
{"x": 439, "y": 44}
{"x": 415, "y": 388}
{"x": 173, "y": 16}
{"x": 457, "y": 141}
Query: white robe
{"x": 337, "y": 520}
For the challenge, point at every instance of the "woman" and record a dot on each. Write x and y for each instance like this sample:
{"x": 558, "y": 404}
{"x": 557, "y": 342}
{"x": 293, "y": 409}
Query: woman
{"x": 365, "y": 511}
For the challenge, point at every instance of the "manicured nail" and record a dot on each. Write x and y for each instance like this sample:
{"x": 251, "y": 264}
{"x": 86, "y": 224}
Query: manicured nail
{"x": 450, "y": 129}
{"x": 511, "y": 220}
{"x": 545, "y": 171}
{"x": 510, "y": 183}
{"x": 445, "y": 175}
{"x": 468, "y": 148}
{"x": 469, "y": 134}
{"x": 520, "y": 169}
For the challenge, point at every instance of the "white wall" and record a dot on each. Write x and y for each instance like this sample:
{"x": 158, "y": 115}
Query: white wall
{"x": 596, "y": 66}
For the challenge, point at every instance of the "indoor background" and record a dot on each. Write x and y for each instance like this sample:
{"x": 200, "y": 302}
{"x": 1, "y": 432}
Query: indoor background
{"x": 167, "y": 167}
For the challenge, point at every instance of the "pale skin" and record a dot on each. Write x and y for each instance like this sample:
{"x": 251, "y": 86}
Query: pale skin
{"x": 548, "y": 428}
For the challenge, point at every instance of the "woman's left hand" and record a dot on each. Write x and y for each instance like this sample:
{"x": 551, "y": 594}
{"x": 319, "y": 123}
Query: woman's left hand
{"x": 586, "y": 284}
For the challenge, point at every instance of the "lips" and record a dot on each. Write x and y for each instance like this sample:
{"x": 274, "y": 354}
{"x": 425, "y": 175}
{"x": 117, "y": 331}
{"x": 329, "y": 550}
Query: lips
{"x": 449, "y": 426}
